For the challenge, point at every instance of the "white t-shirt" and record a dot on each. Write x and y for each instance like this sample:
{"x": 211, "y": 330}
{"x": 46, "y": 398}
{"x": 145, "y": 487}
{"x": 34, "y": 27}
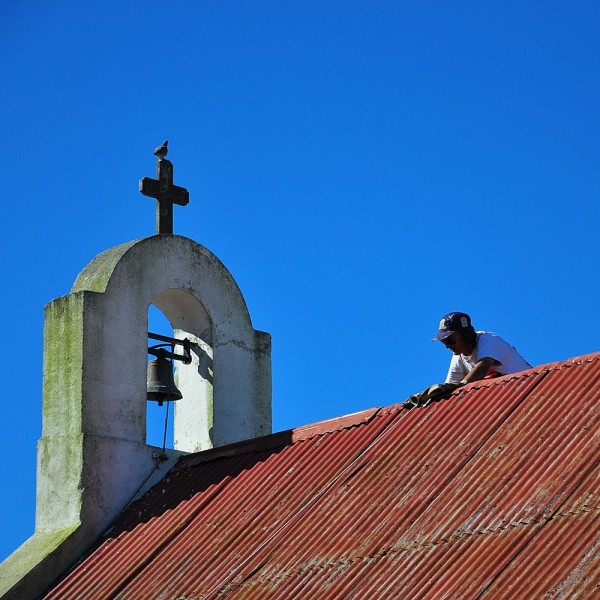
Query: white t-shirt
{"x": 492, "y": 346}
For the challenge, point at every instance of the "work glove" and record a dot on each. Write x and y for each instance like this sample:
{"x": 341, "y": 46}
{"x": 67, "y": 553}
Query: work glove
{"x": 419, "y": 399}
{"x": 432, "y": 394}
{"x": 443, "y": 390}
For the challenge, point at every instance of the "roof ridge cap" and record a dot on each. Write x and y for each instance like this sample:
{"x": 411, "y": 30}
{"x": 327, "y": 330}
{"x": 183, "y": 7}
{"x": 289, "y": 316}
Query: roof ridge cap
{"x": 334, "y": 424}
{"x": 279, "y": 439}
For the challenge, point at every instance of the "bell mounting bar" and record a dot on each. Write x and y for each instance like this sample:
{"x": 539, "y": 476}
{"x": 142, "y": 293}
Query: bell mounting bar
{"x": 156, "y": 350}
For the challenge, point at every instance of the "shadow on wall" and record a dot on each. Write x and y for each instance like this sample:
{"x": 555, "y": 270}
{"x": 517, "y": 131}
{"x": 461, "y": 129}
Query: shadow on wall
{"x": 198, "y": 479}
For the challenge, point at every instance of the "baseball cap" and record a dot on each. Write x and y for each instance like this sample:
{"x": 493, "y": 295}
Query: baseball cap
{"x": 454, "y": 321}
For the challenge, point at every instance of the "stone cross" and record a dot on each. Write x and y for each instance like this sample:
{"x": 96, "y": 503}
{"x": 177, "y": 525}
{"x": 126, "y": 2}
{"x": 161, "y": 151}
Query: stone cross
{"x": 166, "y": 194}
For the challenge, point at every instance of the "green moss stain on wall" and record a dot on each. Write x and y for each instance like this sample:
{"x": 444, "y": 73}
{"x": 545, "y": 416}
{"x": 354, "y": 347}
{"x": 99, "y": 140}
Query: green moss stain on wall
{"x": 30, "y": 555}
{"x": 63, "y": 366}
{"x": 60, "y": 450}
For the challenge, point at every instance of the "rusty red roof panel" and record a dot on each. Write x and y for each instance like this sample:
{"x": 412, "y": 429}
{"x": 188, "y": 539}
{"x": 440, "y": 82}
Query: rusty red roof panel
{"x": 467, "y": 497}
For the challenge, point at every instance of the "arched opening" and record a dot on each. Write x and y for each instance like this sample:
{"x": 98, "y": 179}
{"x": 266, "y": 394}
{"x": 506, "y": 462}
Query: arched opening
{"x": 185, "y": 424}
{"x": 159, "y": 419}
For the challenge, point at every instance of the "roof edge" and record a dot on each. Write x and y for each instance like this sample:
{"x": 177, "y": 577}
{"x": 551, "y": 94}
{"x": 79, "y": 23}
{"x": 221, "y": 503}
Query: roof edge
{"x": 545, "y": 368}
{"x": 279, "y": 439}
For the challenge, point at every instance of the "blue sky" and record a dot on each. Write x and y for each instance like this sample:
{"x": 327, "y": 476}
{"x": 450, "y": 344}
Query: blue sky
{"x": 360, "y": 168}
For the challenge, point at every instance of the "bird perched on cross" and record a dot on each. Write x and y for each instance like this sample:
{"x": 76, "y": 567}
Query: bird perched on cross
{"x": 162, "y": 150}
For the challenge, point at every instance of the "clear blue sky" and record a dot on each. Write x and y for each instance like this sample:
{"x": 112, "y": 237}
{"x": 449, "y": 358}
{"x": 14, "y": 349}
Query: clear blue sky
{"x": 361, "y": 169}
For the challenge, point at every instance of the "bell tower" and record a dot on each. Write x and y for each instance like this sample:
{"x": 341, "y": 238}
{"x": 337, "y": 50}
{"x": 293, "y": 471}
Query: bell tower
{"x": 95, "y": 359}
{"x": 93, "y": 458}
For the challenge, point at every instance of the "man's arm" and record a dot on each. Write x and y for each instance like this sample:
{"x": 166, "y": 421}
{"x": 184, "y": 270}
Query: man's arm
{"x": 479, "y": 371}
{"x": 457, "y": 370}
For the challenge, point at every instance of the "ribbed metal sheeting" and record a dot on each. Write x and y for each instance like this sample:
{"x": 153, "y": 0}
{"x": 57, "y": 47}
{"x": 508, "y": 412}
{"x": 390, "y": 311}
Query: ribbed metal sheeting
{"x": 492, "y": 493}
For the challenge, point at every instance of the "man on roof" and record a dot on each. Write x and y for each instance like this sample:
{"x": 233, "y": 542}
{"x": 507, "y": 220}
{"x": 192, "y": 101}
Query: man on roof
{"x": 476, "y": 354}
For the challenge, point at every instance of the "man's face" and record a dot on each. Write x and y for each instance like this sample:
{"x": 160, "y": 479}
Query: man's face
{"x": 456, "y": 343}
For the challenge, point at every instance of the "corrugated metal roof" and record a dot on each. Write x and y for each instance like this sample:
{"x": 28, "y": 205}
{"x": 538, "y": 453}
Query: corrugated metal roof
{"x": 492, "y": 493}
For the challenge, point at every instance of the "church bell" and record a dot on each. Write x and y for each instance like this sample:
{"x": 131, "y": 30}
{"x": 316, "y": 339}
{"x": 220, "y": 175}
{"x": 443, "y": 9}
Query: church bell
{"x": 159, "y": 380}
